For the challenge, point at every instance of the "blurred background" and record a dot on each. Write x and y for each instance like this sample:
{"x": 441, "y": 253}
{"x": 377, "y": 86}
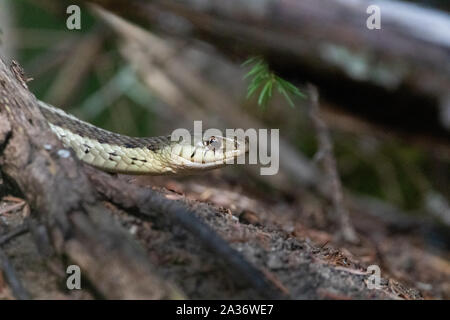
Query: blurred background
{"x": 384, "y": 100}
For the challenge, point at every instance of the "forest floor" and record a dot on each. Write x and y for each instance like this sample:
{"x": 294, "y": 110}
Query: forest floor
{"x": 291, "y": 238}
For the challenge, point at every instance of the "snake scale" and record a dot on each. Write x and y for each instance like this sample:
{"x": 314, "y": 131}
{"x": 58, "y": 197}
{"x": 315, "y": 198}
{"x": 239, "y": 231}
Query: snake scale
{"x": 114, "y": 152}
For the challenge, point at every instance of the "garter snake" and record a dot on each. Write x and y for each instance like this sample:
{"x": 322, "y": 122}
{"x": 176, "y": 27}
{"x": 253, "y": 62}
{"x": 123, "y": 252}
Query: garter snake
{"x": 161, "y": 155}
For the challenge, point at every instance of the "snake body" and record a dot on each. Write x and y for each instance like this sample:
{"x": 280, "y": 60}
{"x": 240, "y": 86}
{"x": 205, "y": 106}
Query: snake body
{"x": 161, "y": 155}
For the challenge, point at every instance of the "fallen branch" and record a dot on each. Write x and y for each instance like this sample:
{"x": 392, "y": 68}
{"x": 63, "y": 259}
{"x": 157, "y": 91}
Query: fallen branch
{"x": 329, "y": 162}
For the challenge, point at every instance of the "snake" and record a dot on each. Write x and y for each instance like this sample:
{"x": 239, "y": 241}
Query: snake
{"x": 161, "y": 155}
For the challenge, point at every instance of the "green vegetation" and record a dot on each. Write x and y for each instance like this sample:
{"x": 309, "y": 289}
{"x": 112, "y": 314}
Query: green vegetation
{"x": 266, "y": 80}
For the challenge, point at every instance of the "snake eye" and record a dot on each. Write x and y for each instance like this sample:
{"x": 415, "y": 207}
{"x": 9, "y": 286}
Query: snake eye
{"x": 213, "y": 143}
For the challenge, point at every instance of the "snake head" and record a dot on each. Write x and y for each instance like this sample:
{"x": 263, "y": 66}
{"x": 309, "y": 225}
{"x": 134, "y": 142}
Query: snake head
{"x": 208, "y": 152}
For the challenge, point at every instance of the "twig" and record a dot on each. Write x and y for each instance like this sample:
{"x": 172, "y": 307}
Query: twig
{"x": 329, "y": 162}
{"x": 11, "y": 208}
{"x": 12, "y": 199}
{"x": 11, "y": 277}
{"x": 23, "y": 228}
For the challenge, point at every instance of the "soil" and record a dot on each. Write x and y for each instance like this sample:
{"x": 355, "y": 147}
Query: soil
{"x": 292, "y": 238}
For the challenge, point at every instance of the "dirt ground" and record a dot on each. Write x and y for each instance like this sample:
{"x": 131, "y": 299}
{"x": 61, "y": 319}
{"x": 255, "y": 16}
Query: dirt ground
{"x": 290, "y": 237}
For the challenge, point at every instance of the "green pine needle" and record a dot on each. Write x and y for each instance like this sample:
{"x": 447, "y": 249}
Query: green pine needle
{"x": 263, "y": 78}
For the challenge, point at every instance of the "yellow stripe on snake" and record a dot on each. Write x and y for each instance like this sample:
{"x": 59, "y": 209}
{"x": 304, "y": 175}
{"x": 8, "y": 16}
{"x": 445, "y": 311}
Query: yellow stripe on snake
{"x": 113, "y": 152}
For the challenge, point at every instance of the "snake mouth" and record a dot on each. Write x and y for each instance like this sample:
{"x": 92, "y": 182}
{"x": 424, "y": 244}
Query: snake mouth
{"x": 210, "y": 153}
